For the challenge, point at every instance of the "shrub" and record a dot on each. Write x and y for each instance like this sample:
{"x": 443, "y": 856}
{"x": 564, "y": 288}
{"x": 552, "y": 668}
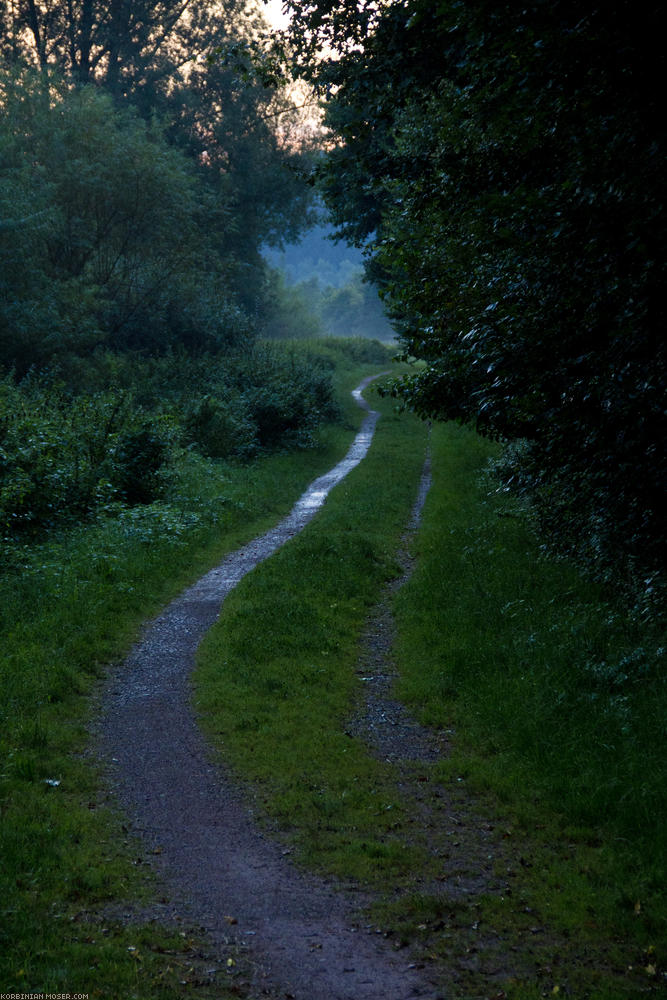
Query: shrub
{"x": 220, "y": 427}
{"x": 137, "y": 460}
{"x": 287, "y": 395}
{"x": 62, "y": 457}
{"x": 65, "y": 454}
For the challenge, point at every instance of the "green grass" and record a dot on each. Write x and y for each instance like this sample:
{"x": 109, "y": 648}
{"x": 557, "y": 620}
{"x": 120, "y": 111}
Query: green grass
{"x": 558, "y": 720}
{"x": 70, "y": 606}
{"x": 559, "y": 704}
{"x": 537, "y": 665}
{"x": 497, "y": 643}
{"x": 276, "y": 677}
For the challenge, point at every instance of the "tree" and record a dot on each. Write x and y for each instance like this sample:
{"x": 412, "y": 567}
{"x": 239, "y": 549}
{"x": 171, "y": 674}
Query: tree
{"x": 183, "y": 62}
{"x": 503, "y": 167}
{"x": 108, "y": 234}
{"x": 126, "y": 47}
{"x": 225, "y": 118}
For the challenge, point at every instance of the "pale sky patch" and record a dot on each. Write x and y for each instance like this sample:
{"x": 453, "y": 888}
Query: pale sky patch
{"x": 274, "y": 14}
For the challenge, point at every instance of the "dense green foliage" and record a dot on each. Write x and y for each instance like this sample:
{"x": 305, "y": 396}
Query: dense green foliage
{"x": 143, "y": 167}
{"x": 141, "y": 172}
{"x": 66, "y": 455}
{"x": 107, "y": 237}
{"x": 503, "y": 167}
{"x": 180, "y": 61}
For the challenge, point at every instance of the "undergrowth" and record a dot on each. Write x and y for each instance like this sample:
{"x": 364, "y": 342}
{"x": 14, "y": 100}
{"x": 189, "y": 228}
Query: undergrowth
{"x": 72, "y": 447}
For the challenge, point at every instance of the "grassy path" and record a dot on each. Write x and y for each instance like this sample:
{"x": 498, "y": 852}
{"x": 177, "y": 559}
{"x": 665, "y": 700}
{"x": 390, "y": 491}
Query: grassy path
{"x": 494, "y": 863}
{"x": 549, "y": 698}
{"x": 192, "y": 819}
{"x": 277, "y": 682}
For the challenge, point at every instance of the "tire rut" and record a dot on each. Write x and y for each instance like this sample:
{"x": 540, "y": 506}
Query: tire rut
{"x": 392, "y": 734}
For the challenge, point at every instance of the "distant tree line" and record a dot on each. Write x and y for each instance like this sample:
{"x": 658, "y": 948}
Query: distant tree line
{"x": 320, "y": 288}
{"x": 503, "y": 165}
{"x": 143, "y": 165}
{"x": 145, "y": 162}
{"x": 311, "y": 308}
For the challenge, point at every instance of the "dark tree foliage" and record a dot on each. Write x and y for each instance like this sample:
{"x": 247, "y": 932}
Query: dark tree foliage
{"x": 108, "y": 238}
{"x": 175, "y": 66}
{"x": 503, "y": 165}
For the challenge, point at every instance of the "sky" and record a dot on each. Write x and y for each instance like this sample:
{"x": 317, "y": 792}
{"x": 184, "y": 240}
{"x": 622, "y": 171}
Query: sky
{"x": 274, "y": 13}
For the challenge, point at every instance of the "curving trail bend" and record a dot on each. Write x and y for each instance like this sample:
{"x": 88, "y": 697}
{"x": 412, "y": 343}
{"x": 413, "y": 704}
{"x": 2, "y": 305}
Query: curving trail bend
{"x": 299, "y": 929}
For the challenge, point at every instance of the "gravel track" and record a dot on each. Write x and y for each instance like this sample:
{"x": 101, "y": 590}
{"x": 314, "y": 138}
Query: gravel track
{"x": 223, "y": 873}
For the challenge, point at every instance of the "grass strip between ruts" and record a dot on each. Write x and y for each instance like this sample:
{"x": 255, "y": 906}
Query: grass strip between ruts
{"x": 276, "y": 675}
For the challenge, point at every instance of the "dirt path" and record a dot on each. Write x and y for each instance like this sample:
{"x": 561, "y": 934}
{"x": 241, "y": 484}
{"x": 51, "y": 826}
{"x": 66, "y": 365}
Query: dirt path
{"x": 224, "y": 874}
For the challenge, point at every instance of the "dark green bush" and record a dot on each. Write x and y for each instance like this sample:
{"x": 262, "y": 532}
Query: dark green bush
{"x": 66, "y": 454}
{"x": 220, "y": 427}
{"x": 63, "y": 456}
{"x": 137, "y": 459}
{"x": 229, "y": 405}
{"x": 44, "y": 473}
{"x": 287, "y": 395}
{"x": 590, "y": 514}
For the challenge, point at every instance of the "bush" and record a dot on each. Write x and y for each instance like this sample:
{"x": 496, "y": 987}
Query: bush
{"x": 65, "y": 455}
{"x": 137, "y": 459}
{"x": 590, "y": 514}
{"x": 287, "y": 395}
{"x": 62, "y": 457}
{"x": 328, "y": 353}
{"x": 220, "y": 427}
